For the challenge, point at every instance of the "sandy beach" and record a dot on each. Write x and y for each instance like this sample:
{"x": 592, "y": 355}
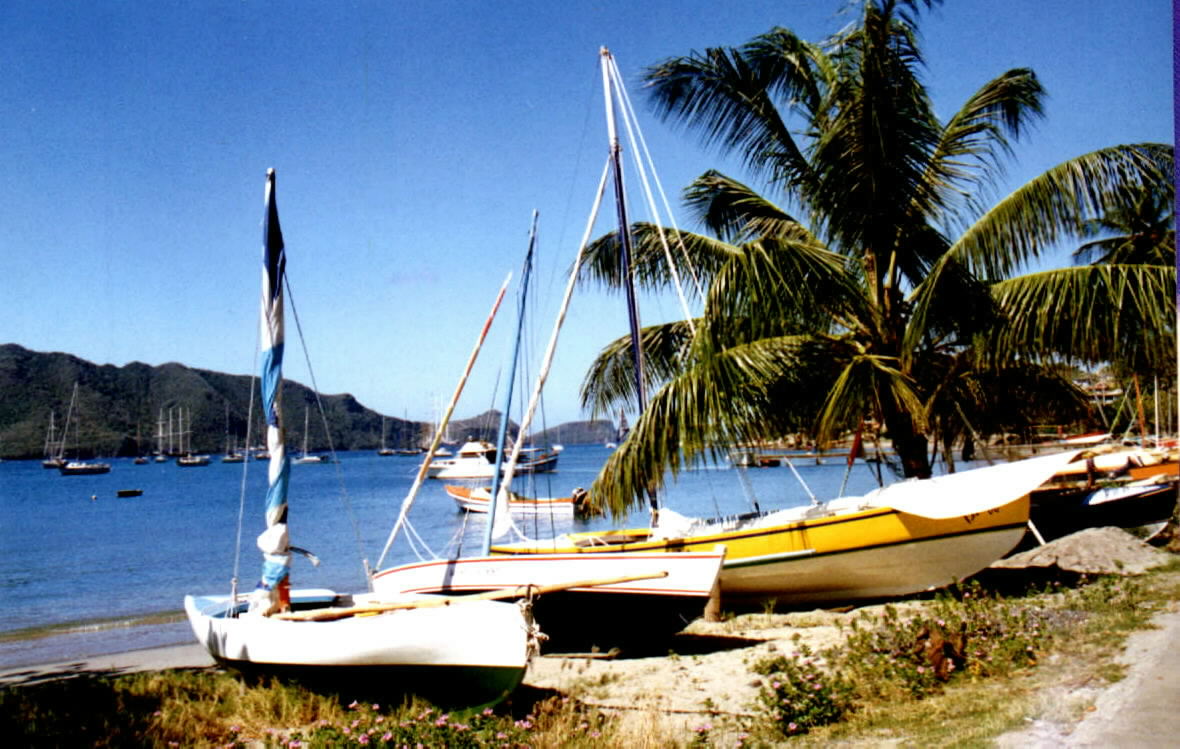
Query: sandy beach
{"x": 704, "y": 673}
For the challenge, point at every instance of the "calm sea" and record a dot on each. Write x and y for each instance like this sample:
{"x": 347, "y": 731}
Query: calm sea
{"x": 85, "y": 573}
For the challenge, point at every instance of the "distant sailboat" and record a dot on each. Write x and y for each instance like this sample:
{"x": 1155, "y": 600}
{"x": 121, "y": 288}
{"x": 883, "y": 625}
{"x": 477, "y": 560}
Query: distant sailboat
{"x": 77, "y": 467}
{"x": 53, "y": 449}
{"x": 306, "y": 458}
{"x": 188, "y": 460}
{"x": 384, "y": 451}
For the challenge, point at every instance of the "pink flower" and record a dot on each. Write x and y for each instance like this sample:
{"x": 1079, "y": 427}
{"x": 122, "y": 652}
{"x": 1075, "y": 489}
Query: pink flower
{"x": 353, "y": 705}
{"x": 364, "y": 739}
{"x": 376, "y": 707}
{"x": 792, "y": 727}
{"x": 386, "y": 736}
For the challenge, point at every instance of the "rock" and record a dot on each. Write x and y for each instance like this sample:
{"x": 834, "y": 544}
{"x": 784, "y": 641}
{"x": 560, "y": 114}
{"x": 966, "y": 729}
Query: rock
{"x": 1094, "y": 551}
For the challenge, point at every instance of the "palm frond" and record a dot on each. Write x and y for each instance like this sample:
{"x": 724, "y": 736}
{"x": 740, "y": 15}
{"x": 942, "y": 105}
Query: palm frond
{"x": 727, "y": 97}
{"x": 1089, "y": 314}
{"x": 737, "y": 213}
{"x": 707, "y": 407}
{"x": 1054, "y": 205}
{"x": 968, "y": 153}
{"x": 610, "y": 382}
{"x": 695, "y": 255}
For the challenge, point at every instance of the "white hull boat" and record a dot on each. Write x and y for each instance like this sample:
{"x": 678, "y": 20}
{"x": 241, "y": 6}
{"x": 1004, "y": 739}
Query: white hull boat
{"x": 663, "y": 592}
{"x": 430, "y": 651}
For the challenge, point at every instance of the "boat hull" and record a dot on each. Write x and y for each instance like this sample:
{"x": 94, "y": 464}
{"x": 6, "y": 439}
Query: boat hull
{"x": 479, "y": 499}
{"x": 843, "y": 556}
{"x": 432, "y": 652}
{"x": 74, "y": 468}
{"x": 582, "y": 617}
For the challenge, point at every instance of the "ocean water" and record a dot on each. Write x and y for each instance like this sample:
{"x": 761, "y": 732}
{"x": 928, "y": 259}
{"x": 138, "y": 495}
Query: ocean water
{"x": 85, "y": 573}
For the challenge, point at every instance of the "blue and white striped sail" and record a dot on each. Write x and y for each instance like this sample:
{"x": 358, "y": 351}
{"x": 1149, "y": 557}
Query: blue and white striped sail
{"x": 272, "y": 591}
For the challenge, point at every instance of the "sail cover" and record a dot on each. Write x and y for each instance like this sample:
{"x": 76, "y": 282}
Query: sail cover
{"x": 272, "y": 593}
{"x": 974, "y": 491}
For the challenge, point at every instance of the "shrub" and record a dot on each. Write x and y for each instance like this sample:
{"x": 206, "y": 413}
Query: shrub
{"x": 798, "y": 695}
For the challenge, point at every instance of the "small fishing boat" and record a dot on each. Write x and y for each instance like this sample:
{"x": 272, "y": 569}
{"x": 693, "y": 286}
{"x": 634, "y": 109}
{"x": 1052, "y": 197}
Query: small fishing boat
{"x": 466, "y": 652}
{"x": 129, "y": 492}
{"x": 479, "y": 499}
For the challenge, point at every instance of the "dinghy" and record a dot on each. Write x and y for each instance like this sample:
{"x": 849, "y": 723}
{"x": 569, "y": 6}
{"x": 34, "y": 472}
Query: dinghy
{"x": 414, "y": 647}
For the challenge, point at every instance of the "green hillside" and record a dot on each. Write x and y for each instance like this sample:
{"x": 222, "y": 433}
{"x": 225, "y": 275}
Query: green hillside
{"x": 115, "y": 404}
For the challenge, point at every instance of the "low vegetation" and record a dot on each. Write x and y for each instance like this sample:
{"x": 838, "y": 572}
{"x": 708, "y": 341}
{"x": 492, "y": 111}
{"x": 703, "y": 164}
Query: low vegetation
{"x": 957, "y": 669}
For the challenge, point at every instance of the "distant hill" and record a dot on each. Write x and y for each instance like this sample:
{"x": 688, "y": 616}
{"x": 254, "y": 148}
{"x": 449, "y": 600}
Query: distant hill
{"x": 119, "y": 410}
{"x": 597, "y": 431}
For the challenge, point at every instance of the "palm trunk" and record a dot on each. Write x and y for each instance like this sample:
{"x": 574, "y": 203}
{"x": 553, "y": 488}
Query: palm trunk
{"x": 909, "y": 444}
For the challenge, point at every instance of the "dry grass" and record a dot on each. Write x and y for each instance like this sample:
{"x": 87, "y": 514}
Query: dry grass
{"x": 209, "y": 708}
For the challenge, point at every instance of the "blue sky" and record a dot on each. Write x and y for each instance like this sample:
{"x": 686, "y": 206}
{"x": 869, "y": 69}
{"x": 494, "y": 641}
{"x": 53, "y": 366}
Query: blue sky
{"x": 412, "y": 140}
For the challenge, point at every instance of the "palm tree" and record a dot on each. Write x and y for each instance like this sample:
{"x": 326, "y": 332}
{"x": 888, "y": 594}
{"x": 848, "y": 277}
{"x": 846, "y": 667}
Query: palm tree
{"x": 885, "y": 289}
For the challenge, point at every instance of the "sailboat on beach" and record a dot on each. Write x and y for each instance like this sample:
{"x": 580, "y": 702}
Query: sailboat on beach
{"x": 421, "y": 645}
{"x": 594, "y": 600}
{"x": 905, "y": 538}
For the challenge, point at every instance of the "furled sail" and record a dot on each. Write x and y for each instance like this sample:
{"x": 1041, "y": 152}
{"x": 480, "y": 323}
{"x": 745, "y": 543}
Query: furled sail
{"x": 273, "y": 590}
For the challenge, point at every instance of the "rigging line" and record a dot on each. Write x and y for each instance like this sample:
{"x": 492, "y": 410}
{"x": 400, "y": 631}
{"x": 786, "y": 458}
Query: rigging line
{"x": 446, "y": 420}
{"x": 315, "y": 389}
{"x": 747, "y": 489}
{"x": 638, "y": 154}
{"x": 245, "y": 469}
{"x": 551, "y": 348}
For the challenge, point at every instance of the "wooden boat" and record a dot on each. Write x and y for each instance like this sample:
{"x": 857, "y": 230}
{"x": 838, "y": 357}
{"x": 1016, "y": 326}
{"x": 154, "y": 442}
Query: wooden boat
{"x": 906, "y": 538}
{"x": 469, "y": 653}
{"x": 1059, "y": 509}
{"x": 479, "y": 499}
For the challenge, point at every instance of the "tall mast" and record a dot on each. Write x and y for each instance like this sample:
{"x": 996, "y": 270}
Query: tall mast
{"x": 502, "y": 434}
{"x": 616, "y": 162}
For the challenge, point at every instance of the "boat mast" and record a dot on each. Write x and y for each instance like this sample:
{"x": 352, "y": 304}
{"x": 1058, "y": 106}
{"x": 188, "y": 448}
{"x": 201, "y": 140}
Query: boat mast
{"x": 273, "y": 591}
{"x": 625, "y": 248}
{"x": 502, "y": 434}
{"x": 423, "y": 469}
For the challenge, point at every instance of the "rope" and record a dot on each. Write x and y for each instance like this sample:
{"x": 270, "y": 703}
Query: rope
{"x": 315, "y": 388}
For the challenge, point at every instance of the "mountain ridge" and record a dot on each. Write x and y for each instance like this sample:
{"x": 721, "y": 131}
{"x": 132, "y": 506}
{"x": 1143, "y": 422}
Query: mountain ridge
{"x": 120, "y": 410}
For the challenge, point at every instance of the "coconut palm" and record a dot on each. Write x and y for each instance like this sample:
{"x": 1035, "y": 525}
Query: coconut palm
{"x": 882, "y": 289}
